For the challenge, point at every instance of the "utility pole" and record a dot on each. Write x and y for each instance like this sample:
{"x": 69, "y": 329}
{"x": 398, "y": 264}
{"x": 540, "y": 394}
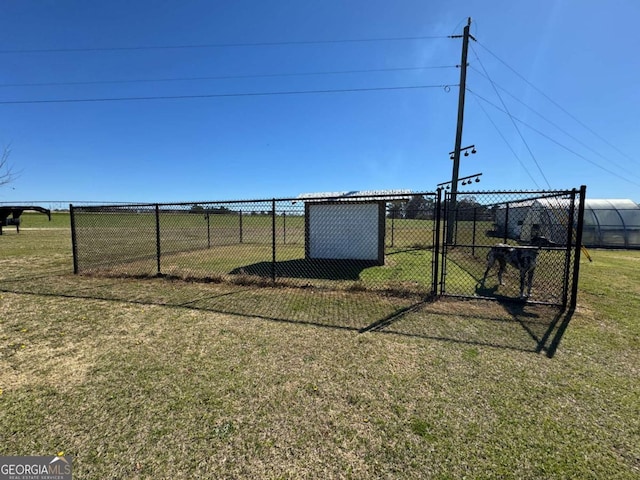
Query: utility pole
{"x": 456, "y": 151}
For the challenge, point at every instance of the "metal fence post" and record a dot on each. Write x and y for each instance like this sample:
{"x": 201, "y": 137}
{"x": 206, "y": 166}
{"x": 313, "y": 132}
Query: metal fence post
{"x": 273, "y": 240}
{"x": 445, "y": 218}
{"x": 578, "y": 248}
{"x": 473, "y": 234}
{"x": 393, "y": 218}
{"x": 284, "y": 227}
{"x": 208, "y": 231}
{"x": 454, "y": 240}
{"x": 506, "y": 224}
{"x": 436, "y": 247}
{"x": 240, "y": 226}
{"x": 74, "y": 240}
{"x": 567, "y": 256}
{"x": 158, "y": 238}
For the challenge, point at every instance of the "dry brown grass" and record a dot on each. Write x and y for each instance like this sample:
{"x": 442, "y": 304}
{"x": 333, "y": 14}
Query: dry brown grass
{"x": 149, "y": 378}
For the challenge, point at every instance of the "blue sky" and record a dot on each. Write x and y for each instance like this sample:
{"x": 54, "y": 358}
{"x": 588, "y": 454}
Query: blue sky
{"x": 580, "y": 54}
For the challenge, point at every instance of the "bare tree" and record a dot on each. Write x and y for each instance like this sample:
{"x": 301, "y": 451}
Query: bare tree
{"x": 7, "y": 175}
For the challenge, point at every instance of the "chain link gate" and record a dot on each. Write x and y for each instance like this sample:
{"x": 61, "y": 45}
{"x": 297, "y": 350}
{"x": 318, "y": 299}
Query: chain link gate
{"x": 543, "y": 231}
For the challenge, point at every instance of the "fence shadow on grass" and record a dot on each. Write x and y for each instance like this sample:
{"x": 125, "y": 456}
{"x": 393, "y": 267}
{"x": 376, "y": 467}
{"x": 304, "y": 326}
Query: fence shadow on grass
{"x": 342, "y": 309}
{"x": 545, "y": 331}
{"x": 505, "y": 324}
{"x": 90, "y": 293}
{"x": 502, "y": 324}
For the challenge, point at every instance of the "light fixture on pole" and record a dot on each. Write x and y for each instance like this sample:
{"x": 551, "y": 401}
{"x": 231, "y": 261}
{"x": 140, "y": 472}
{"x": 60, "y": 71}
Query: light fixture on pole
{"x": 468, "y": 180}
{"x": 465, "y": 150}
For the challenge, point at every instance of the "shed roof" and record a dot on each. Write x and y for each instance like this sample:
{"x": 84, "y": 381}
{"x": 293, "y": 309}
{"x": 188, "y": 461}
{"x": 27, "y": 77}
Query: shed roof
{"x": 388, "y": 195}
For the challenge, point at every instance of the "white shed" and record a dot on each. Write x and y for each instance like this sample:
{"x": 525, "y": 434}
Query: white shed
{"x": 353, "y": 231}
{"x": 347, "y": 225}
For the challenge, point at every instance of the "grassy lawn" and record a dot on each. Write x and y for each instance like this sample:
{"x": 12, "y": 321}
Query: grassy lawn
{"x": 171, "y": 379}
{"x": 30, "y": 220}
{"x": 197, "y": 246}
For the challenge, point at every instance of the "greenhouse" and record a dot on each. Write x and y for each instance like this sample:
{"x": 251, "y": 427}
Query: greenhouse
{"x": 611, "y": 224}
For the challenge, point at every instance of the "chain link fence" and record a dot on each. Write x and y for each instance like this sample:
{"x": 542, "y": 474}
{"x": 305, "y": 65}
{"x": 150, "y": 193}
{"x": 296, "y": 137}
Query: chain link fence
{"x": 397, "y": 244}
{"x": 382, "y": 243}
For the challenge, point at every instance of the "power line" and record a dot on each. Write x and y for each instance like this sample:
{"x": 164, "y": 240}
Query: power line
{"x": 535, "y": 160}
{"x": 559, "y": 106}
{"x": 507, "y": 142}
{"x": 554, "y": 140}
{"x": 223, "y": 77}
{"x": 592, "y": 150}
{"x": 220, "y": 95}
{"x": 223, "y": 45}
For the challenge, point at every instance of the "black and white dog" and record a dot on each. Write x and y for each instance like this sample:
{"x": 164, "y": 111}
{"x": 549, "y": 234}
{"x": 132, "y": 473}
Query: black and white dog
{"x": 522, "y": 258}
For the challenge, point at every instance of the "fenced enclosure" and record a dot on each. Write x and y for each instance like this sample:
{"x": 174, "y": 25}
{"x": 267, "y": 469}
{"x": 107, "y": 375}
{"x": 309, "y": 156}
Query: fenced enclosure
{"x": 395, "y": 244}
{"x": 262, "y": 241}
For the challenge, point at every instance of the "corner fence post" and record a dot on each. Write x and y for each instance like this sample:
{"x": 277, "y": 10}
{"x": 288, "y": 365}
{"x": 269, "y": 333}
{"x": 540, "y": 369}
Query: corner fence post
{"x": 74, "y": 241}
{"x": 576, "y": 256}
{"x": 158, "y": 238}
{"x": 567, "y": 257}
{"x": 273, "y": 240}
